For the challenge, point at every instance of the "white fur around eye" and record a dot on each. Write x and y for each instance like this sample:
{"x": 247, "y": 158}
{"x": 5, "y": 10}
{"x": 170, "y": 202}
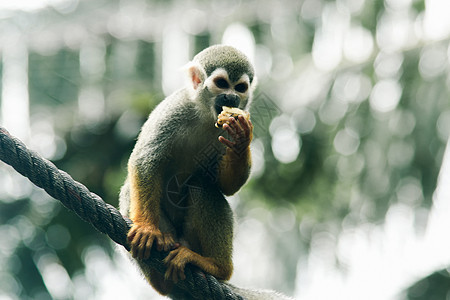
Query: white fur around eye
{"x": 209, "y": 82}
{"x": 243, "y": 80}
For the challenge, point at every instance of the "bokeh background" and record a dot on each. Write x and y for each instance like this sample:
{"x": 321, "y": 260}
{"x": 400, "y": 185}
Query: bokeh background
{"x": 349, "y": 193}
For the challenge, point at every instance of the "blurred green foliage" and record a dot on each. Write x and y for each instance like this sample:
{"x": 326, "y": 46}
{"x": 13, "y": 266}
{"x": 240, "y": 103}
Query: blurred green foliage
{"x": 357, "y": 154}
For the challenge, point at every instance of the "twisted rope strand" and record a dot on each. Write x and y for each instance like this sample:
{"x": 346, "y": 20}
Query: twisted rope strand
{"x": 103, "y": 216}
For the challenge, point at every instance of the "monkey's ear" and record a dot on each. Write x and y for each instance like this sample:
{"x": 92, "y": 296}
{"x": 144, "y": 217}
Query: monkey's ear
{"x": 254, "y": 84}
{"x": 196, "y": 75}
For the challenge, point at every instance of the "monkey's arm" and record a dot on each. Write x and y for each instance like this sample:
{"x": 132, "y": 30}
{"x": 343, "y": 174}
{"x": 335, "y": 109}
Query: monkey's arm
{"x": 145, "y": 195}
{"x": 234, "y": 167}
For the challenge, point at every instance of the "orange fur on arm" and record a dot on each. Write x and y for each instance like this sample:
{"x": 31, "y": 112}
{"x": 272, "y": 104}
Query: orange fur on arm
{"x": 145, "y": 194}
{"x": 234, "y": 170}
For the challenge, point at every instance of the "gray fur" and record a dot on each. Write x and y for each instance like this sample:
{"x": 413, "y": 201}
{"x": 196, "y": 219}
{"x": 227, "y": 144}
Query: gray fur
{"x": 227, "y": 57}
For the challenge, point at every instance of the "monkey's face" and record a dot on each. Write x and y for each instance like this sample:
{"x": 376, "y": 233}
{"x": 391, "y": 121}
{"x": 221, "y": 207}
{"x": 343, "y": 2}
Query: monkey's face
{"x": 220, "y": 76}
{"x": 226, "y": 92}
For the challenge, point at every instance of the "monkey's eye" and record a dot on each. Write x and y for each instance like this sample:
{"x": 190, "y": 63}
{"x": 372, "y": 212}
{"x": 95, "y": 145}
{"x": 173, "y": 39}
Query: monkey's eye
{"x": 241, "y": 87}
{"x": 221, "y": 83}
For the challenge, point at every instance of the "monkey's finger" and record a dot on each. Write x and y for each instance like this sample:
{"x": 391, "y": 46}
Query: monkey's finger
{"x": 245, "y": 125}
{"x": 170, "y": 256}
{"x": 241, "y": 131}
{"x": 175, "y": 246}
{"x": 159, "y": 243}
{"x": 135, "y": 244}
{"x": 141, "y": 247}
{"x": 131, "y": 234}
{"x": 229, "y": 129}
{"x": 175, "y": 274}
{"x": 226, "y": 142}
{"x": 235, "y": 125}
{"x": 171, "y": 272}
{"x": 148, "y": 248}
{"x": 234, "y": 130}
{"x": 181, "y": 274}
{"x": 168, "y": 273}
{"x": 135, "y": 249}
{"x": 168, "y": 242}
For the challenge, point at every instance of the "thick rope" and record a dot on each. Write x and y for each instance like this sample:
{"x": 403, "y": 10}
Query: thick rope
{"x": 103, "y": 216}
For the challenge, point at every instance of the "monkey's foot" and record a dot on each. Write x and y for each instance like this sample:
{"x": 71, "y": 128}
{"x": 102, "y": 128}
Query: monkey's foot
{"x": 141, "y": 238}
{"x": 176, "y": 262}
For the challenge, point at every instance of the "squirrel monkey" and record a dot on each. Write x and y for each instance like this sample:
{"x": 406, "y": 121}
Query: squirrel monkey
{"x": 182, "y": 166}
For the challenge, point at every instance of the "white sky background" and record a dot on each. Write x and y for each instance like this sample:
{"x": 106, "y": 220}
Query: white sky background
{"x": 381, "y": 260}
{"x": 30, "y": 5}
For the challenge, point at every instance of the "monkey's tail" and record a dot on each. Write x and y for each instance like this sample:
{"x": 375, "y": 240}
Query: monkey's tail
{"x": 243, "y": 293}
{"x": 253, "y": 294}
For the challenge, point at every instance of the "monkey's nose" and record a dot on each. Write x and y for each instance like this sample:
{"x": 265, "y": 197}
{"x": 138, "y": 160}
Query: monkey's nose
{"x": 230, "y": 100}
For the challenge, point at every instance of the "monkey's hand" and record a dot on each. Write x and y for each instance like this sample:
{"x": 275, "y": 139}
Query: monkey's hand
{"x": 142, "y": 236}
{"x": 234, "y": 167}
{"x": 241, "y": 131}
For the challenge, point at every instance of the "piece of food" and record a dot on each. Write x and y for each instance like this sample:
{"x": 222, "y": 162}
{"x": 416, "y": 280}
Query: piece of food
{"x": 227, "y": 112}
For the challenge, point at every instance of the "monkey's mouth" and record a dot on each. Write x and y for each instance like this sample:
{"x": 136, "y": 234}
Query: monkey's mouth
{"x": 218, "y": 109}
{"x": 229, "y": 100}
